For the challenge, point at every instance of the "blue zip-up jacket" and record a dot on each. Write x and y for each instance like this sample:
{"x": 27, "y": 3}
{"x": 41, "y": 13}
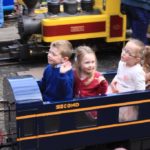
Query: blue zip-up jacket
{"x": 55, "y": 85}
{"x": 145, "y": 4}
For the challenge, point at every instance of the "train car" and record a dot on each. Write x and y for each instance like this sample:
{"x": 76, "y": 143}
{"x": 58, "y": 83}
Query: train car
{"x": 33, "y": 124}
{"x": 70, "y": 20}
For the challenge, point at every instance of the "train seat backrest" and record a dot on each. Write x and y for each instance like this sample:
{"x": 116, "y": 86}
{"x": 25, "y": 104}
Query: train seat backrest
{"x": 109, "y": 75}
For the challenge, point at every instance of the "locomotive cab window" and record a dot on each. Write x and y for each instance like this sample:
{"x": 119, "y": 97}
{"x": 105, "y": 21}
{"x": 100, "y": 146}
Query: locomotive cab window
{"x": 128, "y": 113}
{"x": 86, "y": 119}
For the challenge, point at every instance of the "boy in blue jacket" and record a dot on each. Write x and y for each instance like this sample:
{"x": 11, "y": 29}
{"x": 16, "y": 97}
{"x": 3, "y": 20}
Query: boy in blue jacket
{"x": 57, "y": 81}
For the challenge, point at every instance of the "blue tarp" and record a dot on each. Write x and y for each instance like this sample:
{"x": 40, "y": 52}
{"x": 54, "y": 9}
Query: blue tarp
{"x": 5, "y": 5}
{"x": 8, "y": 5}
{"x": 8, "y": 2}
{"x": 1, "y": 13}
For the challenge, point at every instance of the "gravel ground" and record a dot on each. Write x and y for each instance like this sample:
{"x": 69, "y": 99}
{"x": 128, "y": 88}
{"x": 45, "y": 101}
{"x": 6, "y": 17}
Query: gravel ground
{"x": 108, "y": 61}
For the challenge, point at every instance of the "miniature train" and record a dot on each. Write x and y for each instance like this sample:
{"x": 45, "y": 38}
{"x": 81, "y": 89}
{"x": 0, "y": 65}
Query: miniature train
{"x": 70, "y": 20}
{"x": 33, "y": 124}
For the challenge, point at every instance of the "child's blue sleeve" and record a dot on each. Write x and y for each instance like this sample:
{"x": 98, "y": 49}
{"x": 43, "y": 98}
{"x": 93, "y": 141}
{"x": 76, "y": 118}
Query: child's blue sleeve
{"x": 65, "y": 86}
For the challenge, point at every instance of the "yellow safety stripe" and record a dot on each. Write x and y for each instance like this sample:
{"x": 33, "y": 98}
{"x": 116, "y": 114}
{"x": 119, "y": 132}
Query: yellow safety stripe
{"x": 84, "y": 130}
{"x": 82, "y": 109}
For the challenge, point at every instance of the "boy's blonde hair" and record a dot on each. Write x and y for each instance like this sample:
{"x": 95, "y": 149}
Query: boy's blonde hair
{"x": 81, "y": 51}
{"x": 140, "y": 46}
{"x": 64, "y": 47}
{"x": 146, "y": 59}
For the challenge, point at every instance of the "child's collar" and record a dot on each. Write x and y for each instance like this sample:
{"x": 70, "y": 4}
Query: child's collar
{"x": 57, "y": 66}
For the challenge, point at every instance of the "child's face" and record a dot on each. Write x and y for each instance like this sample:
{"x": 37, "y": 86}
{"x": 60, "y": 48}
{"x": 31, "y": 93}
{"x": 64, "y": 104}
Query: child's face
{"x": 129, "y": 54}
{"x": 88, "y": 64}
{"x": 54, "y": 56}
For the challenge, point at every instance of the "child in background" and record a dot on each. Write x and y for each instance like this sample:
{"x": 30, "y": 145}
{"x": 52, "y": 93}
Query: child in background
{"x": 88, "y": 81}
{"x": 57, "y": 81}
{"x": 146, "y": 65}
{"x": 130, "y": 76}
